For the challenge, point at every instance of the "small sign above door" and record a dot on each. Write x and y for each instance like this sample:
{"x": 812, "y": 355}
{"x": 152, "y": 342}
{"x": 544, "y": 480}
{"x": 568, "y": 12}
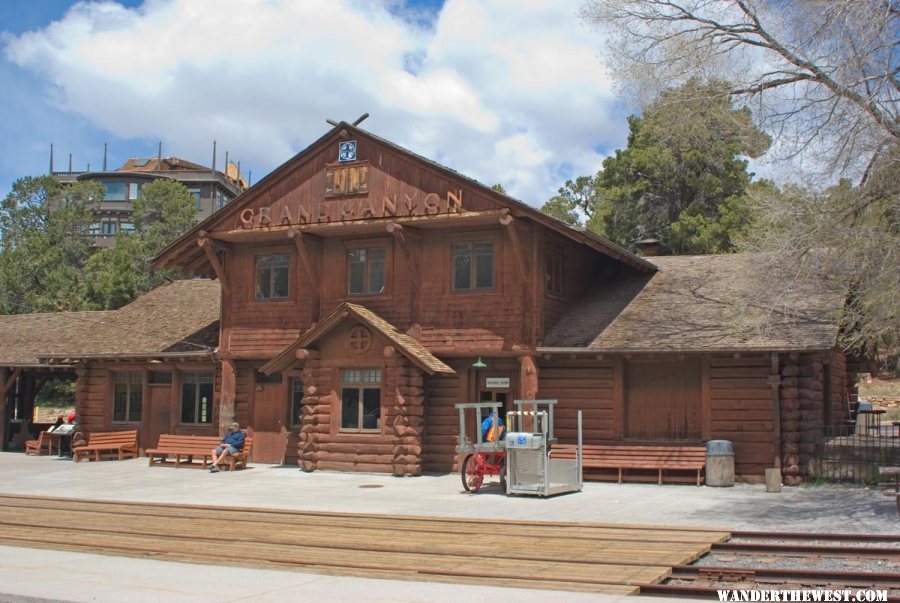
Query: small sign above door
{"x": 496, "y": 382}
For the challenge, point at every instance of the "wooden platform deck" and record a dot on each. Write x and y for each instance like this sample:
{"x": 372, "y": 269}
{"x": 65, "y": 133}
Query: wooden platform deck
{"x": 592, "y": 557}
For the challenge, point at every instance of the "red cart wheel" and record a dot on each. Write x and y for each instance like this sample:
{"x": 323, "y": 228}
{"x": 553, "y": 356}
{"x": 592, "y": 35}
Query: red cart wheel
{"x": 471, "y": 477}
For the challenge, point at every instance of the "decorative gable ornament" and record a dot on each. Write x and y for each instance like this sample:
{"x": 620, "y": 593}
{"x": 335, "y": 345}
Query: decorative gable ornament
{"x": 347, "y": 151}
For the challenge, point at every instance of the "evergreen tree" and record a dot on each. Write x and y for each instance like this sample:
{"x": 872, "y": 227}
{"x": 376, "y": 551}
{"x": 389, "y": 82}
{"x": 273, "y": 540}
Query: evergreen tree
{"x": 116, "y": 275}
{"x": 43, "y": 244}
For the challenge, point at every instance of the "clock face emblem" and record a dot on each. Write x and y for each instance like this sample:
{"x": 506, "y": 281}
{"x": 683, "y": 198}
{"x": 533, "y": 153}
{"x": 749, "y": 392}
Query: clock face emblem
{"x": 347, "y": 151}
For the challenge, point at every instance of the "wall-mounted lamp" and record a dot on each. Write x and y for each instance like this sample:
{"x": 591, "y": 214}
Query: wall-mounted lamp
{"x": 479, "y": 364}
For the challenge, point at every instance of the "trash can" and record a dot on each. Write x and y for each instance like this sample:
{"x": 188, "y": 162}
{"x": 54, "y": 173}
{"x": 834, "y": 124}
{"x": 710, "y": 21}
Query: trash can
{"x": 719, "y": 463}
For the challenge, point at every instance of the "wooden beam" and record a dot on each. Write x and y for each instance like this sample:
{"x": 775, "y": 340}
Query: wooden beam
{"x": 7, "y": 384}
{"x": 509, "y": 222}
{"x": 209, "y": 249}
{"x": 398, "y": 231}
{"x": 311, "y": 273}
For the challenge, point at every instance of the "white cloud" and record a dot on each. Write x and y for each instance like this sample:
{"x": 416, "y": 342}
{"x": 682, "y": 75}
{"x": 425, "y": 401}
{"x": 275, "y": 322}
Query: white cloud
{"x": 509, "y": 93}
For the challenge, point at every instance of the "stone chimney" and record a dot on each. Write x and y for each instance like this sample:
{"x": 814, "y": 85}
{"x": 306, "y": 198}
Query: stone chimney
{"x": 649, "y": 247}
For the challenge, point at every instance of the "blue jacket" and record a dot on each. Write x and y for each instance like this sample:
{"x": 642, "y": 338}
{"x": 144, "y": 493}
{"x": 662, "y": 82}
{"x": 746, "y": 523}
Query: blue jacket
{"x": 234, "y": 438}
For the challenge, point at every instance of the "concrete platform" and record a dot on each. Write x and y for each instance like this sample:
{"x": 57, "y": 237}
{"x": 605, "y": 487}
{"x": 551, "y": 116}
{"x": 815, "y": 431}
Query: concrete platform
{"x": 54, "y": 575}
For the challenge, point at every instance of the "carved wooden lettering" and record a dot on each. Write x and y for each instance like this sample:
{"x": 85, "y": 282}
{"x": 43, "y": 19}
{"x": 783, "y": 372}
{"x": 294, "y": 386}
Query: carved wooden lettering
{"x": 454, "y": 203}
{"x": 322, "y": 213}
{"x": 348, "y": 209}
{"x": 246, "y": 217}
{"x": 302, "y": 215}
{"x": 390, "y": 206}
{"x": 411, "y": 205}
{"x": 432, "y": 203}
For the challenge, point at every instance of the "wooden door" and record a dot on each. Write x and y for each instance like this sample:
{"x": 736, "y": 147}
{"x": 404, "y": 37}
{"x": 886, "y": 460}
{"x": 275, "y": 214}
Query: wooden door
{"x": 157, "y": 416}
{"x": 663, "y": 400}
{"x": 270, "y": 435}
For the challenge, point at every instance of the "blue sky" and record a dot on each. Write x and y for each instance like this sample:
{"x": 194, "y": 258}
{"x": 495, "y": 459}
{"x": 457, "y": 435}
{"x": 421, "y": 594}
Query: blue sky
{"x": 509, "y": 93}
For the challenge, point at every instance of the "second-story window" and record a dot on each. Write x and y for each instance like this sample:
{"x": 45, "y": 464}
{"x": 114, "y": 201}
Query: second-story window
{"x": 473, "y": 266}
{"x": 114, "y": 191}
{"x": 554, "y": 274}
{"x": 272, "y": 276}
{"x": 365, "y": 271}
{"x": 134, "y": 190}
{"x": 195, "y": 193}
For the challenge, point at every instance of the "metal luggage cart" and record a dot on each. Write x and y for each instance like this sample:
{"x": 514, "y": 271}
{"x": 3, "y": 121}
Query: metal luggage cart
{"x": 482, "y": 458}
{"x": 529, "y": 468}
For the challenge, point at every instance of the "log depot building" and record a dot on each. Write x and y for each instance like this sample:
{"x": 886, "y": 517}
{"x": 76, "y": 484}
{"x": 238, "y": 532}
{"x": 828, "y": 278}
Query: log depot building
{"x": 358, "y": 284}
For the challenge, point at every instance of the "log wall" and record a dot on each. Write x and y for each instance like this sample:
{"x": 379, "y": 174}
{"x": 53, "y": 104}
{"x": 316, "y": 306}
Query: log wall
{"x": 439, "y": 443}
{"x": 741, "y": 411}
{"x": 94, "y": 400}
{"x": 587, "y": 386}
{"x": 397, "y": 446}
{"x": 802, "y": 413}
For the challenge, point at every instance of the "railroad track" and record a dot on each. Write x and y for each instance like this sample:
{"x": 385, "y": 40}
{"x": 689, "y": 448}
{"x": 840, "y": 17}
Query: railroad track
{"x": 575, "y": 556}
{"x": 757, "y": 560}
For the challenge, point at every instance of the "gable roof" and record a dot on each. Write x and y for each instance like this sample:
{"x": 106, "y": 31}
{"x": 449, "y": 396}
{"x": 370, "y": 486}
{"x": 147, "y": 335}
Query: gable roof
{"x": 177, "y": 319}
{"x": 186, "y": 244}
{"x": 405, "y": 344}
{"x": 702, "y": 304}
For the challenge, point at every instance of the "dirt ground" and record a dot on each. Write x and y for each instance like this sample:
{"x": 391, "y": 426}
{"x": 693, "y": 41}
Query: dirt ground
{"x": 883, "y": 392}
{"x": 48, "y": 414}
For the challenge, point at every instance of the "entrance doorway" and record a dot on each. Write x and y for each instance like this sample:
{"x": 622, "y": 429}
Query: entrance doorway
{"x": 270, "y": 436}
{"x": 158, "y": 417}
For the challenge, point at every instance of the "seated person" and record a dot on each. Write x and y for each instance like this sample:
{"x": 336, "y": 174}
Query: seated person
{"x": 490, "y": 432}
{"x": 232, "y": 443}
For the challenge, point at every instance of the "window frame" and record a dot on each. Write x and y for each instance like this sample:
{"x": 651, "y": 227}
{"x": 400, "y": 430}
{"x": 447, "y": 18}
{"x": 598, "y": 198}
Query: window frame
{"x": 134, "y": 382}
{"x": 295, "y": 405}
{"x": 473, "y": 271}
{"x": 197, "y": 194}
{"x": 256, "y": 270}
{"x": 367, "y": 270}
{"x": 361, "y": 387}
{"x": 117, "y": 199}
{"x": 134, "y": 187}
{"x": 555, "y": 272}
{"x": 197, "y": 402}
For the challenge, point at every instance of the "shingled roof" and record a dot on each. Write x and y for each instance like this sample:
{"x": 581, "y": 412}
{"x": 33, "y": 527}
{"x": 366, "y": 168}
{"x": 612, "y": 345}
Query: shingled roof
{"x": 702, "y": 304}
{"x": 176, "y": 319}
{"x": 405, "y": 344}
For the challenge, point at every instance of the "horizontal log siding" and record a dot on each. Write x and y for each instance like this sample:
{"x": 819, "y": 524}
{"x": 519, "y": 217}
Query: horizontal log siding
{"x": 579, "y": 386}
{"x": 90, "y": 398}
{"x": 840, "y": 410}
{"x": 245, "y": 384}
{"x": 442, "y": 393}
{"x": 741, "y": 411}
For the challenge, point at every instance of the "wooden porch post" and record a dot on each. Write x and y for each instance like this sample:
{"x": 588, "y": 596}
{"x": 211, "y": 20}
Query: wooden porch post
{"x": 229, "y": 392}
{"x": 528, "y": 378}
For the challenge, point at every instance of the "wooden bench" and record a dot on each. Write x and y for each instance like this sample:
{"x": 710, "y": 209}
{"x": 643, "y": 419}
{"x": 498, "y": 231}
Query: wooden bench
{"x": 42, "y": 443}
{"x": 661, "y": 459}
{"x": 195, "y": 451}
{"x": 108, "y": 445}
